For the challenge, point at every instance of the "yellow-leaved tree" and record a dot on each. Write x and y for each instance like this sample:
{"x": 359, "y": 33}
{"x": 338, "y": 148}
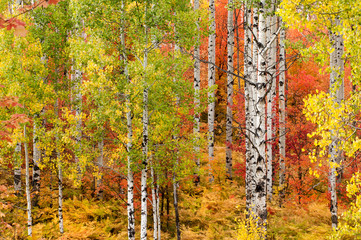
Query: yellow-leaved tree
{"x": 335, "y": 27}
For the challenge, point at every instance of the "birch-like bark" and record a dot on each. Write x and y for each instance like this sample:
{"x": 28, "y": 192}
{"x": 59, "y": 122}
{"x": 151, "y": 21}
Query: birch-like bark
{"x": 271, "y": 78}
{"x": 197, "y": 84}
{"x": 175, "y": 203}
{"x": 337, "y": 93}
{"x": 230, "y": 82}
{"x": 175, "y": 181}
{"x": 282, "y": 112}
{"x": 259, "y": 206}
{"x": 27, "y": 182}
{"x": 60, "y": 176}
{"x": 248, "y": 57}
{"x": 154, "y": 205}
{"x": 130, "y": 179}
{"x": 36, "y": 160}
{"x": 158, "y": 212}
{"x": 17, "y": 168}
{"x": 211, "y": 82}
{"x": 76, "y": 78}
{"x": 144, "y": 215}
{"x": 252, "y": 113}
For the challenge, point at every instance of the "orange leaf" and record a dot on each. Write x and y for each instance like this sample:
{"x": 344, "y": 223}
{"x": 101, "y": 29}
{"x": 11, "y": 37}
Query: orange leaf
{"x": 20, "y": 31}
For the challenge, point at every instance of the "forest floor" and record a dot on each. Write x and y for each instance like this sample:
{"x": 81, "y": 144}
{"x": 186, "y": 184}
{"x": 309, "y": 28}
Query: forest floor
{"x": 207, "y": 212}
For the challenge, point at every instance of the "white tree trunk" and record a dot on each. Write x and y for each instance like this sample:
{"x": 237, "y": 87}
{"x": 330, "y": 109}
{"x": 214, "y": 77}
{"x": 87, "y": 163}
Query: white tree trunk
{"x": 337, "y": 93}
{"x": 17, "y": 168}
{"x": 175, "y": 181}
{"x": 271, "y": 78}
{"x": 248, "y": 69}
{"x": 230, "y": 81}
{"x": 27, "y": 182}
{"x": 211, "y": 82}
{"x": 158, "y": 212}
{"x": 60, "y": 177}
{"x": 259, "y": 205}
{"x": 76, "y": 78}
{"x": 282, "y": 112}
{"x": 130, "y": 179}
{"x": 252, "y": 114}
{"x": 144, "y": 214}
{"x": 36, "y": 160}
{"x": 154, "y": 205}
{"x": 197, "y": 84}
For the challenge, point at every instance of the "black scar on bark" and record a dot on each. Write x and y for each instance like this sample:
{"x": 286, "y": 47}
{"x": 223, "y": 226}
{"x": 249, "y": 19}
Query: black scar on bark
{"x": 259, "y": 187}
{"x": 334, "y": 219}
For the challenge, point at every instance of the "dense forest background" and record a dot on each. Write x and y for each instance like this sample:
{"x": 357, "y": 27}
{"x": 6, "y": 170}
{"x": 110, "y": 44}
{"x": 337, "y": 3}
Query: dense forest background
{"x": 175, "y": 119}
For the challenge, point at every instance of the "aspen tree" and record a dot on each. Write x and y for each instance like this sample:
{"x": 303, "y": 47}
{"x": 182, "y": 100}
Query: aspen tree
{"x": 175, "y": 181}
{"x": 282, "y": 112}
{"x": 36, "y": 160}
{"x": 130, "y": 178}
{"x": 230, "y": 82}
{"x": 337, "y": 94}
{"x": 27, "y": 182}
{"x": 211, "y": 83}
{"x": 252, "y": 111}
{"x": 248, "y": 71}
{"x": 271, "y": 79}
{"x": 259, "y": 205}
{"x": 100, "y": 163}
{"x": 76, "y": 78}
{"x": 17, "y": 168}
{"x": 154, "y": 205}
{"x": 145, "y": 119}
{"x": 60, "y": 174}
{"x": 197, "y": 84}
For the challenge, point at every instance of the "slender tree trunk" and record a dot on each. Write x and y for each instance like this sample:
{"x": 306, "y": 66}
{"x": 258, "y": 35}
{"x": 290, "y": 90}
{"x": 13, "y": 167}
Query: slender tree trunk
{"x": 175, "y": 181}
{"x": 337, "y": 93}
{"x": 230, "y": 82}
{"x": 282, "y": 112}
{"x": 76, "y": 80}
{"x": 60, "y": 176}
{"x": 154, "y": 205}
{"x": 17, "y": 168}
{"x": 197, "y": 84}
{"x": 248, "y": 69}
{"x": 211, "y": 83}
{"x": 158, "y": 212}
{"x": 130, "y": 179}
{"x": 175, "y": 202}
{"x": 27, "y": 182}
{"x": 143, "y": 227}
{"x": 100, "y": 163}
{"x": 252, "y": 114}
{"x": 271, "y": 69}
{"x": 36, "y": 160}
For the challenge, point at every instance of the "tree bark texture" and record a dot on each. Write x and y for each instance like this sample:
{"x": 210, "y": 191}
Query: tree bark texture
{"x": 17, "y": 168}
{"x": 27, "y": 182}
{"x": 144, "y": 214}
{"x": 60, "y": 177}
{"x": 197, "y": 86}
{"x": 211, "y": 83}
{"x": 271, "y": 95}
{"x": 259, "y": 206}
{"x": 36, "y": 160}
{"x": 230, "y": 82}
{"x": 337, "y": 94}
{"x": 282, "y": 112}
